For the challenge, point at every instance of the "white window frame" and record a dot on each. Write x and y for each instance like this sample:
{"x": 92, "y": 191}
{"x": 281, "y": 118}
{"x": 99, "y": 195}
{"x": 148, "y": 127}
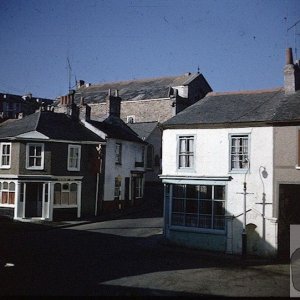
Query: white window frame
{"x": 118, "y": 153}
{"x": 70, "y": 159}
{"x": 8, "y": 191}
{"x": 247, "y": 156}
{"x": 3, "y": 166}
{"x": 190, "y": 153}
{"x": 41, "y": 167}
{"x": 62, "y": 190}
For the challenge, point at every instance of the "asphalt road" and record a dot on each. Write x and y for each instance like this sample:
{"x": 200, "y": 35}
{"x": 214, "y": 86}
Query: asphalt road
{"x": 124, "y": 257}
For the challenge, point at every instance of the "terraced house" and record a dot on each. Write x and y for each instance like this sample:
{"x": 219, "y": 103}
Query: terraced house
{"x": 232, "y": 181}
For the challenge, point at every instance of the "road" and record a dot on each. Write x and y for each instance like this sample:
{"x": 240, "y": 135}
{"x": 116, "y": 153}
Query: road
{"x": 128, "y": 257}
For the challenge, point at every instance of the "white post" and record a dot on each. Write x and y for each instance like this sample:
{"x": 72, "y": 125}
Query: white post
{"x": 79, "y": 200}
{"x": 17, "y": 199}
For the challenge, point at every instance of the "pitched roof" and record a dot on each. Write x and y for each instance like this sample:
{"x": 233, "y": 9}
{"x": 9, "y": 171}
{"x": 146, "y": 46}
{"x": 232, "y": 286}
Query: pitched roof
{"x": 270, "y": 106}
{"x": 57, "y": 126}
{"x": 143, "y": 129}
{"x": 142, "y": 89}
{"x": 114, "y": 127}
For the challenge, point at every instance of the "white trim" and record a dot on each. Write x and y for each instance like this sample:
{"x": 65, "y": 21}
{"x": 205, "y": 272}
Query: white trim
{"x": 1, "y": 155}
{"x": 78, "y": 147}
{"x": 94, "y": 129}
{"x": 186, "y": 169}
{"x": 239, "y": 170}
{"x": 41, "y": 167}
{"x": 39, "y": 177}
{"x": 33, "y": 135}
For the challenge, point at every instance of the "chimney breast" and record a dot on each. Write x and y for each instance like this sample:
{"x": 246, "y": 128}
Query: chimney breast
{"x": 291, "y": 74}
{"x": 113, "y": 106}
{"x": 289, "y": 56}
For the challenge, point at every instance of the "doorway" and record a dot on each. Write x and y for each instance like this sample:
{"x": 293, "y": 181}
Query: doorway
{"x": 34, "y": 200}
{"x": 289, "y": 213}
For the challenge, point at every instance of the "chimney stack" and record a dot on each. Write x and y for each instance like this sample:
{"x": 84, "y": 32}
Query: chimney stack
{"x": 291, "y": 73}
{"x": 113, "y": 104}
{"x": 87, "y": 112}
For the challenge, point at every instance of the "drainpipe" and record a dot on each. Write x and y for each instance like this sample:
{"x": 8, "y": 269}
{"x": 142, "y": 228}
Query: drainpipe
{"x": 99, "y": 148}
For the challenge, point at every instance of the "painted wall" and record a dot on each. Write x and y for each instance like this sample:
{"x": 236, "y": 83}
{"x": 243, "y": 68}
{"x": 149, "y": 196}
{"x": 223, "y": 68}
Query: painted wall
{"x": 131, "y": 153}
{"x": 212, "y": 159}
{"x": 286, "y": 169}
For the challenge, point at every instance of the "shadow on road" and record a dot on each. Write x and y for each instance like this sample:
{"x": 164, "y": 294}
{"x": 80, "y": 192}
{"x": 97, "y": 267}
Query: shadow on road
{"x": 57, "y": 261}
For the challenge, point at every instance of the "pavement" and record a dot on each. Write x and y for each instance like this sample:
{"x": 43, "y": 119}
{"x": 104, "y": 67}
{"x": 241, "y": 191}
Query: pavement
{"x": 125, "y": 254}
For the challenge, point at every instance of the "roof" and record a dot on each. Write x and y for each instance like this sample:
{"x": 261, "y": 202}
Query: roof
{"x": 114, "y": 127}
{"x": 57, "y": 126}
{"x": 143, "y": 129}
{"x": 270, "y": 106}
{"x": 25, "y": 99}
{"x": 142, "y": 89}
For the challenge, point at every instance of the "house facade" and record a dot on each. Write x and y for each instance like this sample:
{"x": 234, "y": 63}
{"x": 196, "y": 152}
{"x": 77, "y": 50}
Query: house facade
{"x": 145, "y": 103}
{"x": 12, "y": 106}
{"x": 121, "y": 178}
{"x": 47, "y": 167}
{"x": 232, "y": 181}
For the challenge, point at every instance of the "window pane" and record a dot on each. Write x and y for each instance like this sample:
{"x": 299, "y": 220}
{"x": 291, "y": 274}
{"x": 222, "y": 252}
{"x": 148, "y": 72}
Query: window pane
{"x": 57, "y": 191}
{"x": 11, "y": 186}
{"x": 38, "y": 151}
{"x": 31, "y": 150}
{"x": 31, "y": 161}
{"x": 219, "y": 192}
{"x": 178, "y": 191}
{"x": 65, "y": 198}
{"x": 192, "y": 191}
{"x": 38, "y": 162}
{"x": 191, "y": 220}
{"x": 191, "y": 206}
{"x": 5, "y": 185}
{"x": 178, "y": 205}
{"x": 177, "y": 219}
{"x": 205, "y": 207}
{"x": 11, "y": 199}
{"x": 204, "y": 221}
{"x": 205, "y": 192}
{"x": 4, "y": 197}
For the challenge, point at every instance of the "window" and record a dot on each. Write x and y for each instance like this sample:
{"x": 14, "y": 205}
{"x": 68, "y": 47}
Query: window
{"x": 5, "y": 155}
{"x": 239, "y": 152}
{"x": 7, "y": 193}
{"x": 74, "y": 153}
{"x": 138, "y": 187}
{"x": 130, "y": 119}
{"x": 140, "y": 157}
{"x": 186, "y": 152}
{"x": 118, "y": 153}
{"x": 117, "y": 192}
{"x": 199, "y": 206}
{"x": 65, "y": 194}
{"x": 149, "y": 161}
{"x": 35, "y": 156}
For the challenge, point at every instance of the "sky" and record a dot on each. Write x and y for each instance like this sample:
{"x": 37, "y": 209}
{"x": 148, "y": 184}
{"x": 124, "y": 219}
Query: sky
{"x": 236, "y": 44}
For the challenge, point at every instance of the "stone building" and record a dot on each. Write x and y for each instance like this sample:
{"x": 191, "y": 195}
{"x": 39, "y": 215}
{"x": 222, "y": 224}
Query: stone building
{"x": 145, "y": 104}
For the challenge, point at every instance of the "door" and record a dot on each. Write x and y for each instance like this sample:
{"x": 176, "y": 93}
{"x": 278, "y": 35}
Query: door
{"x": 289, "y": 213}
{"x": 33, "y": 200}
{"x": 127, "y": 187}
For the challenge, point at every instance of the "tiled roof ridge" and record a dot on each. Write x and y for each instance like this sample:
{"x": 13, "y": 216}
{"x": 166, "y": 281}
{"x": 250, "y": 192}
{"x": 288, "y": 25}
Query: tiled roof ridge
{"x": 246, "y": 92}
{"x": 137, "y": 80}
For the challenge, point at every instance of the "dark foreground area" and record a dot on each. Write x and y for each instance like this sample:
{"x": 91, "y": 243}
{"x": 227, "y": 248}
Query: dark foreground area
{"x": 126, "y": 256}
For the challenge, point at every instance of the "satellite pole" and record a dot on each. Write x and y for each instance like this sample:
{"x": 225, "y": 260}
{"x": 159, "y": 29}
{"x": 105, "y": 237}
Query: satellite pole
{"x": 295, "y": 35}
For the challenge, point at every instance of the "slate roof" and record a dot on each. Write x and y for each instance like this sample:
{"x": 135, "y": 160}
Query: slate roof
{"x": 142, "y": 89}
{"x": 271, "y": 106}
{"x": 143, "y": 129}
{"x": 114, "y": 127}
{"x": 56, "y": 126}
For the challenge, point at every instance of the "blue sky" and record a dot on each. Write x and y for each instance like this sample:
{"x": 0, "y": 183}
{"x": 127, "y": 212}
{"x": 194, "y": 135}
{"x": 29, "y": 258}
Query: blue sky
{"x": 238, "y": 45}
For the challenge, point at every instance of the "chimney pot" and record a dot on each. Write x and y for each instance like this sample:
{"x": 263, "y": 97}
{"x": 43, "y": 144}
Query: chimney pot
{"x": 116, "y": 93}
